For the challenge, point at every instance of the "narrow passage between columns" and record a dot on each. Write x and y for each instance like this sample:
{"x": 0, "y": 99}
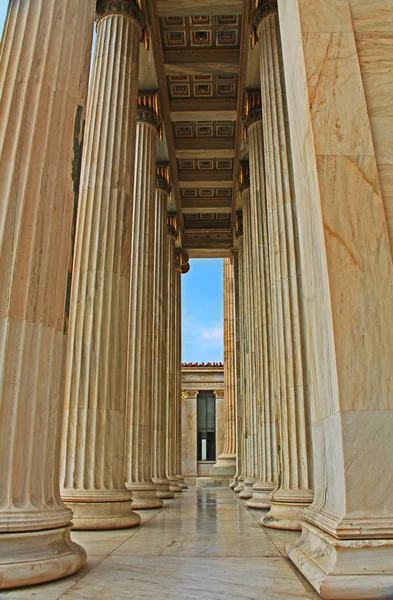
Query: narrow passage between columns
{"x": 204, "y": 544}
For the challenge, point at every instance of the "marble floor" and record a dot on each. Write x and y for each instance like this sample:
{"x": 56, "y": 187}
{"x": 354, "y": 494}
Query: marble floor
{"x": 203, "y": 545}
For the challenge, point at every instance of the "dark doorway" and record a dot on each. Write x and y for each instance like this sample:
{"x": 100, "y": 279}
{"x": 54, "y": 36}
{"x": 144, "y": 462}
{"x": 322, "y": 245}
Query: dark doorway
{"x": 206, "y": 408}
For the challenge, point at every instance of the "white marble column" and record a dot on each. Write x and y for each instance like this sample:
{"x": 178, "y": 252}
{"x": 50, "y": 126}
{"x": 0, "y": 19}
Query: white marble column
{"x": 225, "y": 467}
{"x": 239, "y": 303}
{"x": 346, "y": 547}
{"x": 263, "y": 375}
{"x": 93, "y": 451}
{"x": 140, "y": 348}
{"x": 182, "y": 268}
{"x": 44, "y": 69}
{"x": 250, "y": 405}
{"x": 160, "y": 294}
{"x": 295, "y": 490}
{"x": 172, "y": 276}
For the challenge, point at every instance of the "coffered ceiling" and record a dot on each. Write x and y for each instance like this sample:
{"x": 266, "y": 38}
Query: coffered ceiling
{"x": 198, "y": 52}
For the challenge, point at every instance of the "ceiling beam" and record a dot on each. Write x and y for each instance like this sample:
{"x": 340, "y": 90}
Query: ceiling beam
{"x": 207, "y": 205}
{"x": 201, "y": 62}
{"x": 198, "y": 146}
{"x": 200, "y": 185}
{"x": 203, "y": 153}
{"x": 212, "y": 112}
{"x": 205, "y": 176}
{"x": 187, "y": 8}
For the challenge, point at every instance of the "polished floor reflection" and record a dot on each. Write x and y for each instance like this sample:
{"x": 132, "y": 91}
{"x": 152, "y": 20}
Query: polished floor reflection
{"x": 205, "y": 544}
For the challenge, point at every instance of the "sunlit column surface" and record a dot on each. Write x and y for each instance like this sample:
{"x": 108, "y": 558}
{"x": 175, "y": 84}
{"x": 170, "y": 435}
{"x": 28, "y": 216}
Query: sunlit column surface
{"x": 93, "y": 452}
{"x": 295, "y": 490}
{"x": 44, "y": 69}
{"x": 172, "y": 276}
{"x": 261, "y": 292}
{"x": 140, "y": 350}
{"x": 160, "y": 294}
{"x": 250, "y": 414}
{"x": 237, "y": 485}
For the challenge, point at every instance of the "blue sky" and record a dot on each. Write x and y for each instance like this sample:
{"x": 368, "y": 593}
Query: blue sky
{"x": 202, "y": 298}
{"x": 202, "y": 311}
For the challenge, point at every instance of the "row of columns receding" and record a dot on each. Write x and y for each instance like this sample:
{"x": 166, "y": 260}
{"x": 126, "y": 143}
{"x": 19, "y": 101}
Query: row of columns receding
{"x": 90, "y": 304}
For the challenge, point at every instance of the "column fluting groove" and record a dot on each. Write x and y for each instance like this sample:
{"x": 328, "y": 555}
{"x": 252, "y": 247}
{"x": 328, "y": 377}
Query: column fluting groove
{"x": 44, "y": 69}
{"x": 140, "y": 345}
{"x": 93, "y": 455}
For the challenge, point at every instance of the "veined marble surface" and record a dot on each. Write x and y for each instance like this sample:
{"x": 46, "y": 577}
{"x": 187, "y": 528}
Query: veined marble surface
{"x": 204, "y": 544}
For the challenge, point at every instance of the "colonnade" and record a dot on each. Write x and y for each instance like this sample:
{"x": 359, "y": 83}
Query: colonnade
{"x": 90, "y": 297}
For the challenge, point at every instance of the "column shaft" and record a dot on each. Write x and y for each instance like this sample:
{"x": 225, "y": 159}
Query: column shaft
{"x": 294, "y": 492}
{"x": 93, "y": 454}
{"x": 160, "y": 294}
{"x": 171, "y": 358}
{"x": 140, "y": 348}
{"x": 177, "y": 398}
{"x": 240, "y": 357}
{"x": 262, "y": 332}
{"x": 225, "y": 468}
{"x": 249, "y": 358}
{"x": 44, "y": 72}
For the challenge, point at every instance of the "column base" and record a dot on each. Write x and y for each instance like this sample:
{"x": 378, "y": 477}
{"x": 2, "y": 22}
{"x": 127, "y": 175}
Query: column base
{"x": 145, "y": 499}
{"x": 90, "y": 516}
{"x": 163, "y": 489}
{"x": 225, "y": 467}
{"x": 233, "y": 483}
{"x": 344, "y": 569}
{"x": 248, "y": 489}
{"x": 287, "y": 512}
{"x": 174, "y": 485}
{"x": 239, "y": 487}
{"x": 284, "y": 516}
{"x": 34, "y": 557}
{"x": 182, "y": 482}
{"x": 261, "y": 497}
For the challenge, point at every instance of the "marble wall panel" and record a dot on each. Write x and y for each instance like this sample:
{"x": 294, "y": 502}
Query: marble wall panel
{"x": 372, "y": 24}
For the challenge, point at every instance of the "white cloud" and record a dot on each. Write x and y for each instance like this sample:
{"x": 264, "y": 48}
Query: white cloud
{"x": 215, "y": 333}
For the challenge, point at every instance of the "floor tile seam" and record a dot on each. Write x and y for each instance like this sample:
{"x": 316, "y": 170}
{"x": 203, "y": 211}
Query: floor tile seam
{"x": 82, "y": 578}
{"x": 133, "y": 534}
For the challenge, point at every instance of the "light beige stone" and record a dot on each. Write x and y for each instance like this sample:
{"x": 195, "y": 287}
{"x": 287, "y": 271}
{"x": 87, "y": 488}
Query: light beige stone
{"x": 138, "y": 471}
{"x": 43, "y": 88}
{"x": 93, "y": 443}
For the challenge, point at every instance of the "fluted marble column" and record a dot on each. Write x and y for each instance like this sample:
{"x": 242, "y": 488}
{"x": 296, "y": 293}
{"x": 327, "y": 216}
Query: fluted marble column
{"x": 225, "y": 466}
{"x": 182, "y": 267}
{"x": 160, "y": 294}
{"x": 295, "y": 490}
{"x": 263, "y": 375}
{"x": 250, "y": 390}
{"x": 140, "y": 349}
{"x": 239, "y": 303}
{"x": 93, "y": 458}
{"x": 170, "y": 379}
{"x": 44, "y": 69}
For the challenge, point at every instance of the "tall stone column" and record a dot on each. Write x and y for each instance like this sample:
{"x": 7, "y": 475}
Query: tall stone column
{"x": 93, "y": 451}
{"x": 182, "y": 267}
{"x": 262, "y": 375}
{"x": 160, "y": 294}
{"x": 346, "y": 548}
{"x": 225, "y": 467}
{"x": 239, "y": 305}
{"x": 250, "y": 391}
{"x": 44, "y": 69}
{"x": 140, "y": 348}
{"x": 170, "y": 379}
{"x": 295, "y": 490}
